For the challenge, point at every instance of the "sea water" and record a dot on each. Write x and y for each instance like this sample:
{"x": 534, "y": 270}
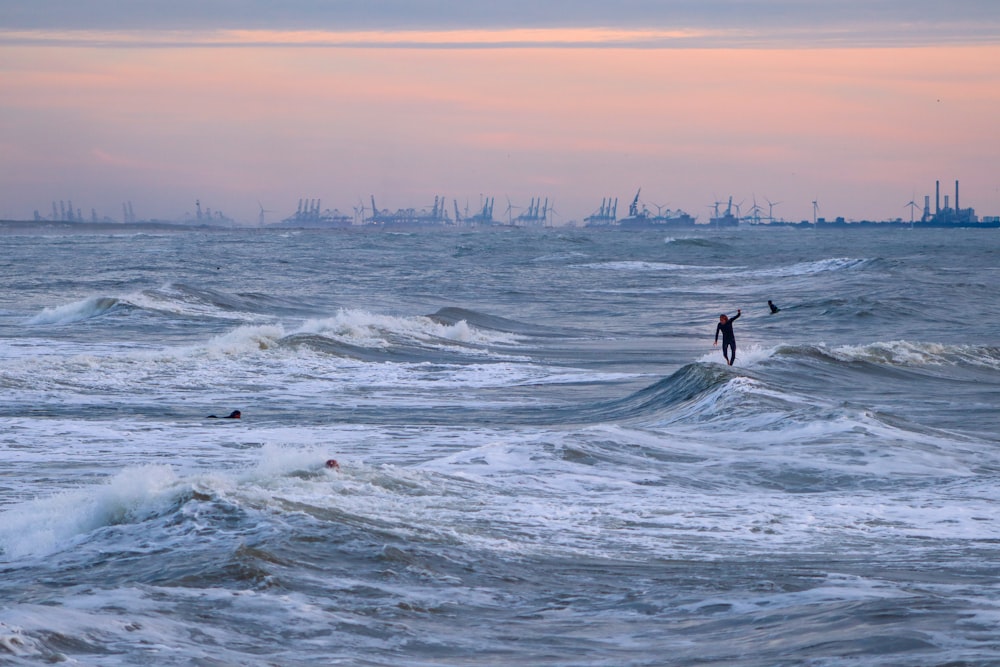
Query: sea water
{"x": 543, "y": 458}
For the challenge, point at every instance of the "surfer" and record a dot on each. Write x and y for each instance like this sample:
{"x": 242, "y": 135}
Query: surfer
{"x": 728, "y": 337}
{"x": 332, "y": 464}
{"x": 773, "y": 307}
{"x": 235, "y": 414}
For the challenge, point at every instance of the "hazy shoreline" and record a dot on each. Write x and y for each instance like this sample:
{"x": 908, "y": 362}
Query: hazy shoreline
{"x": 8, "y": 227}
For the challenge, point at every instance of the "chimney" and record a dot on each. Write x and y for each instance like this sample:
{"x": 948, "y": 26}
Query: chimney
{"x": 956, "y": 196}
{"x": 937, "y": 197}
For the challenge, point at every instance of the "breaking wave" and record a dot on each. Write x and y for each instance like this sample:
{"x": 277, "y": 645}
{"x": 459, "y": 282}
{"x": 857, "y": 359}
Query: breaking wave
{"x": 900, "y": 353}
{"x": 78, "y": 311}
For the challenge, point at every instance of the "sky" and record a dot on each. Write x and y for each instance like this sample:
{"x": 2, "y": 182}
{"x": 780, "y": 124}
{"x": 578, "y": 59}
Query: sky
{"x": 247, "y": 107}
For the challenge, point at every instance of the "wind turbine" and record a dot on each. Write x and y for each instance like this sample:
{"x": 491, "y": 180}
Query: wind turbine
{"x": 550, "y": 209}
{"x": 755, "y": 211}
{"x": 739, "y": 212}
{"x": 508, "y": 212}
{"x": 912, "y": 204}
{"x": 770, "y": 208}
{"x": 815, "y": 210}
{"x": 359, "y": 212}
{"x": 260, "y": 218}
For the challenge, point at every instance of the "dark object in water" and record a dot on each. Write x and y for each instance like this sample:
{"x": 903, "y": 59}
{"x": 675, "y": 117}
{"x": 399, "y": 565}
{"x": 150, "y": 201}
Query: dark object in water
{"x": 235, "y": 414}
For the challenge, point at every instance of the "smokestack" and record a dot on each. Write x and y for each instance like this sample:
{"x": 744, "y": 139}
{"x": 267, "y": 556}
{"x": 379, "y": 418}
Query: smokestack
{"x": 937, "y": 197}
{"x": 956, "y": 196}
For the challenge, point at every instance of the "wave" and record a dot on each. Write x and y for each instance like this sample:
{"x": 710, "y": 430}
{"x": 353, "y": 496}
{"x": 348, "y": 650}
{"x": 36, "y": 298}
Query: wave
{"x": 757, "y": 387}
{"x": 174, "y": 299}
{"x": 362, "y": 335}
{"x": 78, "y": 311}
{"x": 899, "y": 353}
{"x": 246, "y": 340}
{"x": 350, "y": 334}
{"x": 452, "y": 316}
{"x": 690, "y": 382}
{"x": 705, "y": 391}
{"x": 179, "y": 299}
{"x": 339, "y": 348}
{"x": 360, "y": 327}
{"x": 560, "y": 257}
{"x": 695, "y": 242}
{"x": 832, "y": 264}
{"x": 643, "y": 266}
{"x": 141, "y": 494}
{"x": 48, "y": 524}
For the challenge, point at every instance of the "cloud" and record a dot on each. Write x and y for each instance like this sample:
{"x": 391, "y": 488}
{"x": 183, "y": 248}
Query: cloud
{"x": 515, "y": 23}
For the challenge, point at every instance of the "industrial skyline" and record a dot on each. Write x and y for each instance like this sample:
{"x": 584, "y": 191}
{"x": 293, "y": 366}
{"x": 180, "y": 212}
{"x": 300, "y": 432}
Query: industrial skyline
{"x": 538, "y": 212}
{"x": 851, "y": 105}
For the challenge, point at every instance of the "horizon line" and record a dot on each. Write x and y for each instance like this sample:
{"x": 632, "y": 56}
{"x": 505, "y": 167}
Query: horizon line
{"x": 913, "y": 35}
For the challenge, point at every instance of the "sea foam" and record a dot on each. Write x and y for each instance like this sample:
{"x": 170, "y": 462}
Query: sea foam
{"x": 48, "y": 524}
{"x": 77, "y": 311}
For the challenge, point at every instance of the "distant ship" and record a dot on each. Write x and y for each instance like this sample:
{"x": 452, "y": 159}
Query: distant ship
{"x": 643, "y": 219}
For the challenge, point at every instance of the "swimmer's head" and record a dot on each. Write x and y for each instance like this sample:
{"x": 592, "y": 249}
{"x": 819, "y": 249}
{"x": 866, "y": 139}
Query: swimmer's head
{"x": 235, "y": 414}
{"x": 723, "y": 318}
{"x": 332, "y": 464}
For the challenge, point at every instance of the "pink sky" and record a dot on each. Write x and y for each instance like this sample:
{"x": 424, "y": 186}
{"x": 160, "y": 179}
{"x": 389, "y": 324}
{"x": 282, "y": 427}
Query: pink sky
{"x": 861, "y": 130}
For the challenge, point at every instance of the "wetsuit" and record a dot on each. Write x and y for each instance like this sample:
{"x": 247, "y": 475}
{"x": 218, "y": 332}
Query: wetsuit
{"x": 773, "y": 307}
{"x": 728, "y": 338}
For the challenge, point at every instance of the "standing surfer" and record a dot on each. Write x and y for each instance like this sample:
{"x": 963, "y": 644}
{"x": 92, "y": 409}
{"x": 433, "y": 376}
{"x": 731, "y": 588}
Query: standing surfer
{"x": 728, "y": 337}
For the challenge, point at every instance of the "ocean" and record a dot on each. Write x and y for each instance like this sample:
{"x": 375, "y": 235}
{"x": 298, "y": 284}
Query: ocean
{"x": 543, "y": 459}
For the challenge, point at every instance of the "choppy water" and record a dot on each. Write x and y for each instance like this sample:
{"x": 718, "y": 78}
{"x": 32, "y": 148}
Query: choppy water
{"x": 544, "y": 461}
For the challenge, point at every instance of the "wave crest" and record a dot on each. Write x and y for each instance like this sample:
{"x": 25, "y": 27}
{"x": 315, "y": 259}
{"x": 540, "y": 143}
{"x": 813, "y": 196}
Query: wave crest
{"x": 77, "y": 311}
{"x": 44, "y": 525}
{"x": 814, "y": 267}
{"x": 905, "y": 353}
{"x": 364, "y": 329}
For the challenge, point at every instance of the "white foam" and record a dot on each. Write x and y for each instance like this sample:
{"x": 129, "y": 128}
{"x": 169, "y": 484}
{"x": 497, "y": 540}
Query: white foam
{"x": 167, "y": 299}
{"x": 276, "y": 461}
{"x": 748, "y": 355}
{"x": 76, "y": 311}
{"x": 46, "y": 524}
{"x": 246, "y": 339}
{"x": 15, "y": 642}
{"x": 906, "y": 353}
{"x": 360, "y": 327}
{"x": 641, "y": 266}
{"x": 810, "y": 268}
